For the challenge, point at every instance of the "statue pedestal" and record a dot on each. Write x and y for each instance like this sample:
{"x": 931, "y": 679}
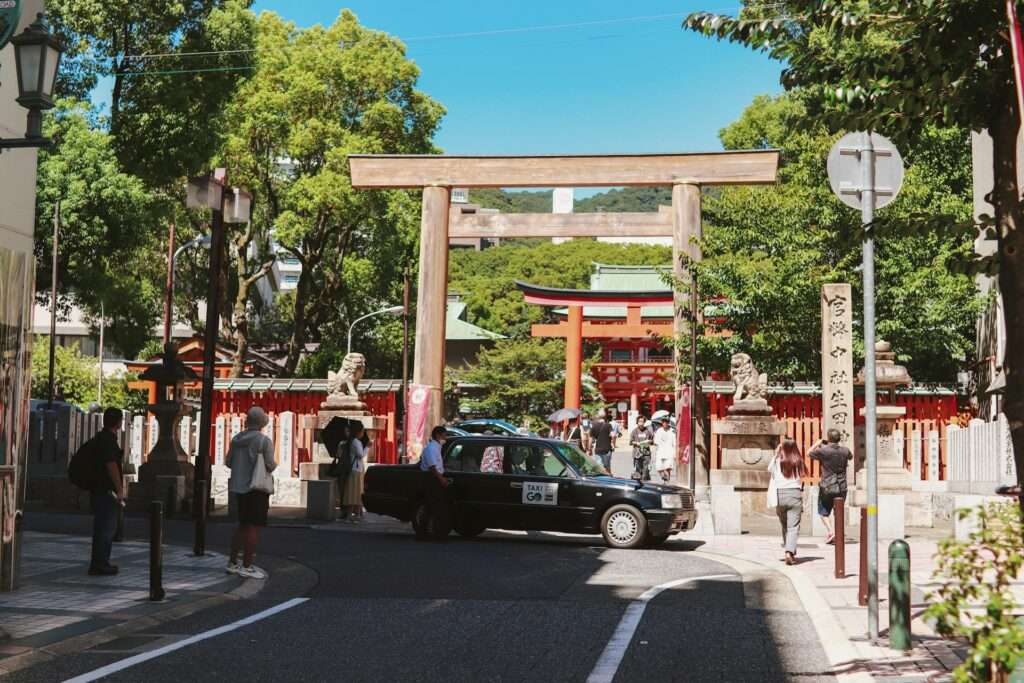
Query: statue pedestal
{"x": 893, "y": 478}
{"x": 749, "y": 435}
{"x": 167, "y": 459}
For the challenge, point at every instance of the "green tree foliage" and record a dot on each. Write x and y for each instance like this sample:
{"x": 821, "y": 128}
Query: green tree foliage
{"x": 512, "y": 202}
{"x": 767, "y": 251}
{"x": 317, "y": 95}
{"x": 975, "y": 599}
{"x": 165, "y": 110}
{"x": 518, "y": 378}
{"x": 76, "y": 378}
{"x": 486, "y": 279}
{"x": 639, "y": 199}
{"x": 901, "y": 68}
{"x": 109, "y": 251}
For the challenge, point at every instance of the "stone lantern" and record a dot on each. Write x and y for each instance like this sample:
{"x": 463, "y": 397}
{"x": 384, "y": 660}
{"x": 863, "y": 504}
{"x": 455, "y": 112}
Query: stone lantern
{"x": 897, "y": 500}
{"x": 167, "y": 474}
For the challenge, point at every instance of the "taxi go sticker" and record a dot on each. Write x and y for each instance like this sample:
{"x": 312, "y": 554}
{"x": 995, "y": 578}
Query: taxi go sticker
{"x": 540, "y": 493}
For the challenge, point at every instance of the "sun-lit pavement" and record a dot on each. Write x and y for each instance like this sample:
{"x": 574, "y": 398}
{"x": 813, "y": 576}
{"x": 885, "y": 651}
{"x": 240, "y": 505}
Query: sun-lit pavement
{"x": 503, "y": 607}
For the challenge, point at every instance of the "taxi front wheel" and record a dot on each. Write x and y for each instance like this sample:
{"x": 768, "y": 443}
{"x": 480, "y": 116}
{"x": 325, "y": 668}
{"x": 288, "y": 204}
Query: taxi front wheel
{"x": 624, "y": 526}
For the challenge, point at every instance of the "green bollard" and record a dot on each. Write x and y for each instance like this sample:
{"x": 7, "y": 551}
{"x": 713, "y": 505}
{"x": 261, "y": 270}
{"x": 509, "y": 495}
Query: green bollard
{"x": 899, "y": 595}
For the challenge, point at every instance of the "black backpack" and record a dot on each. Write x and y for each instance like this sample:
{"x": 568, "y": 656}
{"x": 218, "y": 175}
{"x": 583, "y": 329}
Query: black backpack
{"x": 82, "y": 469}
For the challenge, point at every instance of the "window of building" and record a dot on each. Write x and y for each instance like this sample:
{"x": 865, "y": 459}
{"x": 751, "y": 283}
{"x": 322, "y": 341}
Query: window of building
{"x": 620, "y": 355}
{"x": 291, "y": 279}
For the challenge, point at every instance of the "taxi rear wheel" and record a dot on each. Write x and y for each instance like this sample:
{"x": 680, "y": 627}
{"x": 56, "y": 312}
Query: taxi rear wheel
{"x": 624, "y": 526}
{"x": 427, "y": 525}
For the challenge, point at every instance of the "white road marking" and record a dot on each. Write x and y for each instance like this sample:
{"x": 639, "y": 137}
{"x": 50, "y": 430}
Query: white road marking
{"x": 608, "y": 665}
{"x": 159, "y": 652}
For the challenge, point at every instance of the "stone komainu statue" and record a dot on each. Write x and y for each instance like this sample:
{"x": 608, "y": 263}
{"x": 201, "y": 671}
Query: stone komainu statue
{"x": 749, "y": 384}
{"x": 346, "y": 380}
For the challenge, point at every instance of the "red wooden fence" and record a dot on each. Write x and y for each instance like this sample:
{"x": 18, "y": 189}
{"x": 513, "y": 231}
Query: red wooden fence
{"x": 802, "y": 415}
{"x": 306, "y": 403}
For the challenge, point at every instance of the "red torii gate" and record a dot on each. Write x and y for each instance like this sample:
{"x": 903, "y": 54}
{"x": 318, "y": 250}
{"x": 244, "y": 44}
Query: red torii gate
{"x": 574, "y": 330}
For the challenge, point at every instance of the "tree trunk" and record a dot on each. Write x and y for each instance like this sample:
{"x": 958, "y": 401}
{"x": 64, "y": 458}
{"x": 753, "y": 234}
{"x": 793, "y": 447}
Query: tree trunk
{"x": 1008, "y": 216}
{"x": 298, "y": 340}
{"x": 240, "y": 321}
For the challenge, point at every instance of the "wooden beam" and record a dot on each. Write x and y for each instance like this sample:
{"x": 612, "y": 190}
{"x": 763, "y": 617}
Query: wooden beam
{"x": 704, "y": 168}
{"x": 599, "y": 331}
{"x": 509, "y": 225}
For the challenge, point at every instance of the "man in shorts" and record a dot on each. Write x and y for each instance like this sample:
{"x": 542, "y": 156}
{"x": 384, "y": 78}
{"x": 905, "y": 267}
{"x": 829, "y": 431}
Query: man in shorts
{"x": 833, "y": 458}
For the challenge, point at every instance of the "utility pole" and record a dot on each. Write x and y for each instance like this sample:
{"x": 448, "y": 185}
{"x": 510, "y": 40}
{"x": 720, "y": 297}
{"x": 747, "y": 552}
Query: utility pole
{"x": 53, "y": 300}
{"x": 103, "y": 325}
{"x": 169, "y": 289}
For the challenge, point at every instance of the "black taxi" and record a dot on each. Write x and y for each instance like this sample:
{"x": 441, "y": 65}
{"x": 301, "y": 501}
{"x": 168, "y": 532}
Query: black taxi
{"x": 526, "y": 483}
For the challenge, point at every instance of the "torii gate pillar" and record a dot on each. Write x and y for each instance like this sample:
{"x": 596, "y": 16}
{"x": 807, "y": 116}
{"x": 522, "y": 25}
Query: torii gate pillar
{"x": 432, "y": 300}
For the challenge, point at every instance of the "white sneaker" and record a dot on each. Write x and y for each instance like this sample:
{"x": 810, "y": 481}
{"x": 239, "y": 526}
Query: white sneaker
{"x": 233, "y": 567}
{"x": 252, "y": 572}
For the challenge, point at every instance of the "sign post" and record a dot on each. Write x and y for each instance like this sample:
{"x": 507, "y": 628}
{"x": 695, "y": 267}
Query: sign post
{"x": 866, "y": 172}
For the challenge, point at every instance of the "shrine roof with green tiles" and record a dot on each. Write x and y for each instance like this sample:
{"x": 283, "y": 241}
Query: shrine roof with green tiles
{"x": 457, "y": 329}
{"x": 626, "y": 279}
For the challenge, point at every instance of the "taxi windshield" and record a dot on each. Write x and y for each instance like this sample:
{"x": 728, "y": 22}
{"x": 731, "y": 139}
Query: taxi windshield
{"x": 584, "y": 464}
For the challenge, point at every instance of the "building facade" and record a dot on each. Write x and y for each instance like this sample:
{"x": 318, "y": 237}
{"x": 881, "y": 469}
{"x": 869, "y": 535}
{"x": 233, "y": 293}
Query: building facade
{"x": 17, "y": 285}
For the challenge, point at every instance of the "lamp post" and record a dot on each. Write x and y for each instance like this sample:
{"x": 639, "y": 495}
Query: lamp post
{"x": 37, "y": 54}
{"x": 393, "y": 310}
{"x": 204, "y": 241}
{"x": 229, "y": 205}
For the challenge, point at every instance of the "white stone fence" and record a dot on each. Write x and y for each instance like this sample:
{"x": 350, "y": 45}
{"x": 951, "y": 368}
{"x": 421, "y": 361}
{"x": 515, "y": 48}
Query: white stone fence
{"x": 980, "y": 457}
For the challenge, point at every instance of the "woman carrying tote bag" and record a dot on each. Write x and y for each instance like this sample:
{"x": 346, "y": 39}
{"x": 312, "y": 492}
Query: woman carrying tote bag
{"x": 787, "y": 471}
{"x": 251, "y": 459}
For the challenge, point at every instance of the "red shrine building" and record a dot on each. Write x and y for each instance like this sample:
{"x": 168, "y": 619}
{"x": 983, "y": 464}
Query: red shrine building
{"x": 628, "y": 312}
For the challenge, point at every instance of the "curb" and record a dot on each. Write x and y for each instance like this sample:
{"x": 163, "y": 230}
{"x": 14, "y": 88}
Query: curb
{"x": 839, "y": 650}
{"x": 75, "y": 644}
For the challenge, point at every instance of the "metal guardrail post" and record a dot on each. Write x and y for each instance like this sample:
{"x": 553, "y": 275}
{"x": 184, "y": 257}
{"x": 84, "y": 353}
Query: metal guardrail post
{"x": 899, "y": 595}
{"x": 839, "y": 539}
{"x": 156, "y": 533}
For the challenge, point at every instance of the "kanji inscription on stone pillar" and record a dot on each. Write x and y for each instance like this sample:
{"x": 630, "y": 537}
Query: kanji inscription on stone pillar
{"x": 837, "y": 360}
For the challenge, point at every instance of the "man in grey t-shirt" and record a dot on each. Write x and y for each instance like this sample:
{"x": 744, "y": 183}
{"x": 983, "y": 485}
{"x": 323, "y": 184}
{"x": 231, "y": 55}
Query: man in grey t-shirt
{"x": 833, "y": 458}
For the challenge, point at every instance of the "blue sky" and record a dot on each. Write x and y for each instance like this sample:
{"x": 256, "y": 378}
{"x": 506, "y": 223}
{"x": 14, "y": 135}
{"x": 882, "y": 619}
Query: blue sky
{"x": 634, "y": 83}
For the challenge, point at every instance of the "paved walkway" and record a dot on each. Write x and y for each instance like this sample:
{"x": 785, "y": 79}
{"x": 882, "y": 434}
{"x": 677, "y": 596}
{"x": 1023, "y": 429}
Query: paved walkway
{"x": 834, "y": 601}
{"x": 58, "y": 608}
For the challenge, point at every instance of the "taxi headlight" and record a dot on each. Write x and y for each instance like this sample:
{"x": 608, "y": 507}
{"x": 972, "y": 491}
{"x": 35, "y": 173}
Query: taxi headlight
{"x": 671, "y": 501}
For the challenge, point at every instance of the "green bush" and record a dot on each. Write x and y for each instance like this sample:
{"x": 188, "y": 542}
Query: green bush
{"x": 975, "y": 600}
{"x": 76, "y": 378}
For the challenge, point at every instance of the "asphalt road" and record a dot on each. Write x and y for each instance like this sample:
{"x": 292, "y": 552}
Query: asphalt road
{"x": 504, "y": 607}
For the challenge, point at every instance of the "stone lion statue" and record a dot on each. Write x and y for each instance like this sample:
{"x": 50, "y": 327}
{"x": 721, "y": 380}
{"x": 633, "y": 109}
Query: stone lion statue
{"x": 749, "y": 384}
{"x": 346, "y": 380}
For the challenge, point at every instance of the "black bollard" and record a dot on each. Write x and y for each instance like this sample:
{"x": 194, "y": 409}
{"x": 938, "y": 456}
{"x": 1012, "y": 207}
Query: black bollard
{"x": 840, "y": 537}
{"x": 156, "y": 560}
{"x": 119, "y": 534}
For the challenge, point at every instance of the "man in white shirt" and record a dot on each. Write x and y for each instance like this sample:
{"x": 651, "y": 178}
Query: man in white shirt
{"x": 432, "y": 465}
{"x": 665, "y": 450}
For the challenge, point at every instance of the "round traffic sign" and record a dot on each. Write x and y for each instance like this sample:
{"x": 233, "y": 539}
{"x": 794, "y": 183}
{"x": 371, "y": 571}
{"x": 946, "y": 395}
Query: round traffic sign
{"x": 846, "y": 172}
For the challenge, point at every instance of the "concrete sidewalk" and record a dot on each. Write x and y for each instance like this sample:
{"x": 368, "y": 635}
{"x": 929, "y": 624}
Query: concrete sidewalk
{"x": 59, "y": 608}
{"x": 841, "y": 622}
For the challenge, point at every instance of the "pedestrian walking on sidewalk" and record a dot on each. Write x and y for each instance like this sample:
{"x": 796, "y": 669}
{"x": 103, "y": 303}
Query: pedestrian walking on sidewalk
{"x": 601, "y": 437}
{"x": 575, "y": 436}
{"x": 107, "y": 494}
{"x": 251, "y": 459}
{"x": 786, "y": 493}
{"x": 833, "y": 458}
{"x": 352, "y": 493}
{"x": 641, "y": 439}
{"x": 665, "y": 450}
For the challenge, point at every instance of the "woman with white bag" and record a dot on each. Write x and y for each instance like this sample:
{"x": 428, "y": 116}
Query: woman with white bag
{"x": 251, "y": 459}
{"x": 786, "y": 493}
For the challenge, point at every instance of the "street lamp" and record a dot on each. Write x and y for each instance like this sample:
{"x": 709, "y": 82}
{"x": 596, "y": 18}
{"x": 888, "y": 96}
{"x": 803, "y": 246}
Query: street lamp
{"x": 203, "y": 241}
{"x": 393, "y": 310}
{"x": 229, "y": 205}
{"x": 37, "y": 54}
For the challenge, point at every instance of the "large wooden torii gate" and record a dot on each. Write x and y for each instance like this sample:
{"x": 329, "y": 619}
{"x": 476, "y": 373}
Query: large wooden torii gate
{"x": 438, "y": 174}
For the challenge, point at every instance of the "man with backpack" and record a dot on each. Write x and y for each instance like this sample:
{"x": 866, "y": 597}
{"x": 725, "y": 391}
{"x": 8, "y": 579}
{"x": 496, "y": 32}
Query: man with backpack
{"x": 97, "y": 467}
